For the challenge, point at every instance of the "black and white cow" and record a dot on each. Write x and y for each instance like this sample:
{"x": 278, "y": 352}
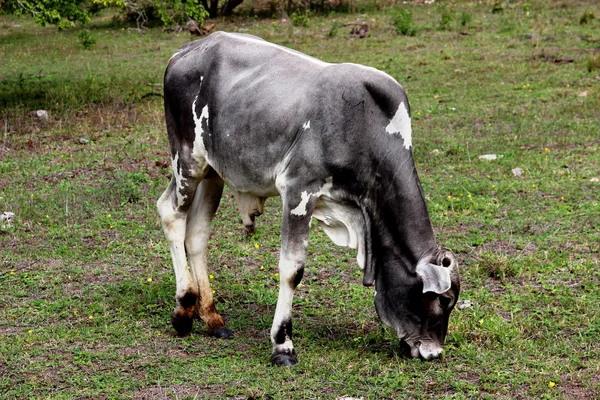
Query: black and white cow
{"x": 334, "y": 141}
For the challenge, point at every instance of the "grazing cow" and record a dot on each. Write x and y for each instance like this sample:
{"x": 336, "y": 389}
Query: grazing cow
{"x": 334, "y": 141}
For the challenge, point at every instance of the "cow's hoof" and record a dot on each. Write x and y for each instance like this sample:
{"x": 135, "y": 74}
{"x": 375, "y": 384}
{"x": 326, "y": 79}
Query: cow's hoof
{"x": 284, "y": 359}
{"x": 182, "y": 325}
{"x": 221, "y": 333}
{"x": 249, "y": 229}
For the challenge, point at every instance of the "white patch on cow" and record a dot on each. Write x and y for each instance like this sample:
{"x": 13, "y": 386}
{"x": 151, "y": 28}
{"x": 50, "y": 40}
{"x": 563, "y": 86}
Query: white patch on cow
{"x": 199, "y": 151}
{"x": 306, "y": 125}
{"x": 343, "y": 224}
{"x": 400, "y": 124}
{"x": 300, "y": 209}
{"x": 286, "y": 347}
{"x": 178, "y": 179}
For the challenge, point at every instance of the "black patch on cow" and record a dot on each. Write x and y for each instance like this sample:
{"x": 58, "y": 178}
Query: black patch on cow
{"x": 295, "y": 281}
{"x": 183, "y": 316}
{"x": 285, "y": 331}
{"x": 187, "y": 300}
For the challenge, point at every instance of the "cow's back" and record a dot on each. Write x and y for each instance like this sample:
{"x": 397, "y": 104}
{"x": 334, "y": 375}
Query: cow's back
{"x": 269, "y": 106}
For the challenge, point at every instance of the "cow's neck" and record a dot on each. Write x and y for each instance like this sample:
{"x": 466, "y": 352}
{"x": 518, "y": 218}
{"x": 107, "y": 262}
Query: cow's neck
{"x": 401, "y": 228}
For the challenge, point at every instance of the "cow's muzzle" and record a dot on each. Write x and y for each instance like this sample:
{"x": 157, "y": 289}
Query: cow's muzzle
{"x": 426, "y": 350}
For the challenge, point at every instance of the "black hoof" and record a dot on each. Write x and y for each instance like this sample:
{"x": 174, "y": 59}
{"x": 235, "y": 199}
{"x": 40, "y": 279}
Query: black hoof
{"x": 182, "y": 325}
{"x": 284, "y": 359}
{"x": 221, "y": 333}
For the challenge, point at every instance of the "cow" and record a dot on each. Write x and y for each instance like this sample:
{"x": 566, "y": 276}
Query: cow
{"x": 334, "y": 141}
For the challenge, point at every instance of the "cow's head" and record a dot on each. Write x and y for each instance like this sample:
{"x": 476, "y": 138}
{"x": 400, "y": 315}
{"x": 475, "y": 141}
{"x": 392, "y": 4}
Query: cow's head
{"x": 417, "y": 305}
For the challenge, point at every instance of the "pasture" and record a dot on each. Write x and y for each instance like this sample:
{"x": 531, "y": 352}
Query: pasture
{"x": 86, "y": 282}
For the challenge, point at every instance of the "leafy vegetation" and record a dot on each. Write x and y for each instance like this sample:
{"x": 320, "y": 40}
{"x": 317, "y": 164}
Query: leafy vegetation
{"x": 66, "y": 13}
{"x": 403, "y": 22}
{"x": 86, "y": 282}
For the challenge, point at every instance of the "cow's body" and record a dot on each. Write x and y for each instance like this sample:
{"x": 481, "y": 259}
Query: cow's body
{"x": 334, "y": 141}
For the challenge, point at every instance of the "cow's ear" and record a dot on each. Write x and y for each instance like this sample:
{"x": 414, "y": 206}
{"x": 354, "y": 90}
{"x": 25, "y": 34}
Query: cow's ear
{"x": 435, "y": 278}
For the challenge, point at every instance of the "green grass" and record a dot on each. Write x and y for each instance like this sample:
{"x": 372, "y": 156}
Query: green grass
{"x": 87, "y": 287}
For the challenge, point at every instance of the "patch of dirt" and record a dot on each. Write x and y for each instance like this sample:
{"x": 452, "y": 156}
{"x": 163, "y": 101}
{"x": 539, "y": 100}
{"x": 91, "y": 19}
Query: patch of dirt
{"x": 508, "y": 248}
{"x": 582, "y": 384}
{"x": 179, "y": 391}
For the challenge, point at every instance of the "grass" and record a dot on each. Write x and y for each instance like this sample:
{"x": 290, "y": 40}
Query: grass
{"x": 87, "y": 284}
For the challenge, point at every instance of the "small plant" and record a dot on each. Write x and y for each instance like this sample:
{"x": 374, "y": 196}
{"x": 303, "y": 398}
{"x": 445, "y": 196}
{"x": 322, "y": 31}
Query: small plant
{"x": 446, "y": 19}
{"x": 403, "y": 22}
{"x": 86, "y": 39}
{"x": 334, "y": 30}
{"x": 593, "y": 62}
{"x": 497, "y": 266}
{"x": 301, "y": 19}
{"x": 498, "y": 7}
{"x": 465, "y": 19}
{"x": 586, "y": 17}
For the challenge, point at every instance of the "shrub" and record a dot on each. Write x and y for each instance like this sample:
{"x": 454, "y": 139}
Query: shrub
{"x": 403, "y": 22}
{"x": 586, "y": 17}
{"x": 465, "y": 19}
{"x": 593, "y": 62}
{"x": 446, "y": 19}
{"x": 86, "y": 39}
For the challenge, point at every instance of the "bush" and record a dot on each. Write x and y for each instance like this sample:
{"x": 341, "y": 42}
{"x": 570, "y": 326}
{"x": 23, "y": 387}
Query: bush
{"x": 403, "y": 22}
{"x": 86, "y": 39}
{"x": 586, "y": 17}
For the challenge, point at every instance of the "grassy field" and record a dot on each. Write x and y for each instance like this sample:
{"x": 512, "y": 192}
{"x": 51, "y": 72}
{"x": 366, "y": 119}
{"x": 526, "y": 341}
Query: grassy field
{"x": 87, "y": 286}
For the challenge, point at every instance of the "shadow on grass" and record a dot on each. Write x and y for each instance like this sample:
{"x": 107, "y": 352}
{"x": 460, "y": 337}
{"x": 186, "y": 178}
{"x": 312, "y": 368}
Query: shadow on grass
{"x": 251, "y": 322}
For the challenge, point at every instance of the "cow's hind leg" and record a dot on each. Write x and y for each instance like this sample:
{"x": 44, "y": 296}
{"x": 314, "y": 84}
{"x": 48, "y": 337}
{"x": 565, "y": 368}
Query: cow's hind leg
{"x": 173, "y": 208}
{"x": 199, "y": 220}
{"x": 295, "y": 225}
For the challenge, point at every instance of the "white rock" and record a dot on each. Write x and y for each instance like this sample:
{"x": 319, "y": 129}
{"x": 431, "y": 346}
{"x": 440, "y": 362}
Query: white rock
{"x": 462, "y": 304}
{"x": 42, "y": 114}
{"x": 517, "y": 172}
{"x": 8, "y": 217}
{"x": 594, "y": 180}
{"x": 490, "y": 157}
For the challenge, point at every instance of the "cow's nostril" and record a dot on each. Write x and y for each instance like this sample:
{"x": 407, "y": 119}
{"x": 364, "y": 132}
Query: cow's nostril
{"x": 446, "y": 262}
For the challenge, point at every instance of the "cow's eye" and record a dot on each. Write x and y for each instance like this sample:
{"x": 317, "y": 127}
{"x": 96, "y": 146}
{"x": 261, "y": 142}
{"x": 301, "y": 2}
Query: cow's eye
{"x": 445, "y": 302}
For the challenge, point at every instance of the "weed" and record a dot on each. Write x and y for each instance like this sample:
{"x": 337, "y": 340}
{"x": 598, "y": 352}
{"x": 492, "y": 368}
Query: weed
{"x": 301, "y": 19}
{"x": 446, "y": 18}
{"x": 497, "y": 7}
{"x": 465, "y": 19}
{"x": 333, "y": 31}
{"x": 593, "y": 62}
{"x": 403, "y": 22}
{"x": 86, "y": 39}
{"x": 586, "y": 17}
{"x": 497, "y": 266}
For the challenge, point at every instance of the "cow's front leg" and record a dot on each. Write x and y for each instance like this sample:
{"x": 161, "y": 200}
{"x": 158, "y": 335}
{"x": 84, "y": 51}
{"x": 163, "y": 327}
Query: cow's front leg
{"x": 295, "y": 226}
